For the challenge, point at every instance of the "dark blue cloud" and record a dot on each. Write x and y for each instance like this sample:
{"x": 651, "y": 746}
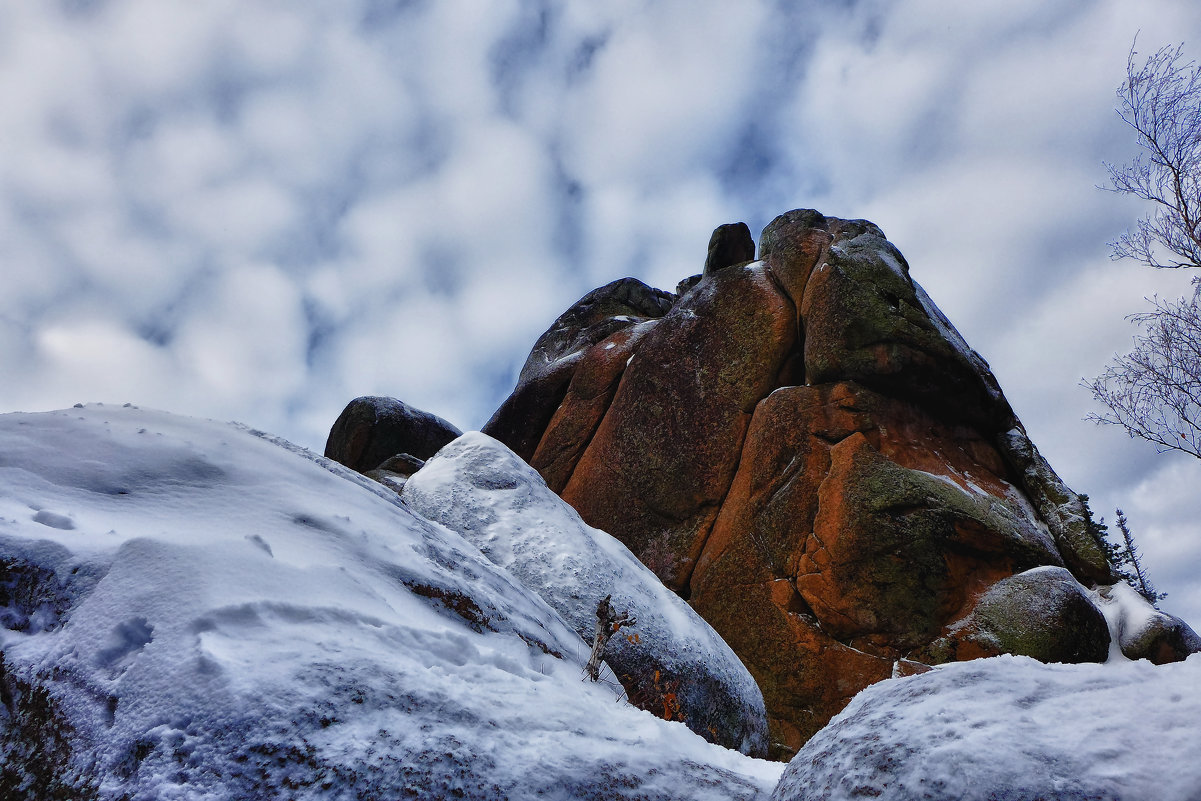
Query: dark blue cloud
{"x": 520, "y": 49}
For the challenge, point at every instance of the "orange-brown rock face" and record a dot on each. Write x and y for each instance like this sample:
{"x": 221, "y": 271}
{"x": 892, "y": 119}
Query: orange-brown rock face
{"x": 805, "y": 448}
{"x": 863, "y": 526}
{"x": 666, "y": 450}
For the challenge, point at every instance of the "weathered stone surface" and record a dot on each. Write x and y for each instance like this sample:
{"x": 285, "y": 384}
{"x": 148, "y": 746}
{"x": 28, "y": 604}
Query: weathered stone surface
{"x": 895, "y": 552}
{"x": 687, "y": 284}
{"x": 395, "y": 470}
{"x": 662, "y": 459}
{"x": 807, "y": 450}
{"x": 592, "y": 318}
{"x": 1042, "y": 613}
{"x": 729, "y": 245}
{"x": 403, "y": 464}
{"x": 1061, "y": 508}
{"x": 373, "y": 429}
{"x": 1166, "y": 638}
{"x": 548, "y": 371}
{"x": 522, "y": 418}
{"x": 880, "y": 582}
{"x": 583, "y": 405}
{"x": 865, "y": 321}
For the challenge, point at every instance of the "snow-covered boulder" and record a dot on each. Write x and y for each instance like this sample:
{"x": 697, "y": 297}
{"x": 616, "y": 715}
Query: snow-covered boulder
{"x": 671, "y": 662}
{"x": 1142, "y": 631}
{"x": 192, "y": 610}
{"x": 1015, "y": 729}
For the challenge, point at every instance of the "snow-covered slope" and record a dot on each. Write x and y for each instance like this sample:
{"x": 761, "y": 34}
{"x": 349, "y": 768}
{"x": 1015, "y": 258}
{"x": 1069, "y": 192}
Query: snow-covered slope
{"x": 674, "y": 663}
{"x": 1015, "y": 729}
{"x": 193, "y": 610}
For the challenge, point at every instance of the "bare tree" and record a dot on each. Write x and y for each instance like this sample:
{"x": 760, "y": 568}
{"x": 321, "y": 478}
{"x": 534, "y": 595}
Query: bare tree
{"x": 1161, "y": 101}
{"x": 1154, "y": 392}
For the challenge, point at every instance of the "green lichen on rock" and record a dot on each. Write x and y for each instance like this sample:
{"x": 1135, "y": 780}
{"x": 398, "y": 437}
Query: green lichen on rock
{"x": 879, "y": 560}
{"x": 1061, "y": 508}
{"x": 1043, "y": 613}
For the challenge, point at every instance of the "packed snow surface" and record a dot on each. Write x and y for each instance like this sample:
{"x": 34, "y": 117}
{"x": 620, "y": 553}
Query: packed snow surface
{"x": 1015, "y": 729}
{"x": 192, "y": 610}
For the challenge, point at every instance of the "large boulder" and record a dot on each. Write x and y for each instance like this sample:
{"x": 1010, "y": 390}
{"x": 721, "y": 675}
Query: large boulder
{"x": 805, "y": 449}
{"x": 1144, "y": 632}
{"x": 594, "y": 317}
{"x": 730, "y": 244}
{"x": 663, "y": 456}
{"x": 670, "y": 662}
{"x": 372, "y": 430}
{"x": 1042, "y": 613}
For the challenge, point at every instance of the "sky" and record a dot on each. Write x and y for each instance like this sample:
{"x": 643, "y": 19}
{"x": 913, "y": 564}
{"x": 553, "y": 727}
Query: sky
{"x": 258, "y": 210}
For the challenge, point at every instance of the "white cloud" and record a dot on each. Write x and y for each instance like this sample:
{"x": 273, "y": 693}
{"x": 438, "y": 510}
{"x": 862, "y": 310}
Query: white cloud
{"x": 244, "y": 338}
{"x": 666, "y": 92}
{"x": 184, "y": 154}
{"x": 260, "y": 209}
{"x": 150, "y": 49}
{"x": 83, "y": 357}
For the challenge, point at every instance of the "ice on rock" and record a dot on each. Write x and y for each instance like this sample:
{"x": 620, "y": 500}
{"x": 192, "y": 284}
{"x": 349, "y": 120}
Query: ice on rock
{"x": 676, "y": 665}
{"x": 234, "y": 617}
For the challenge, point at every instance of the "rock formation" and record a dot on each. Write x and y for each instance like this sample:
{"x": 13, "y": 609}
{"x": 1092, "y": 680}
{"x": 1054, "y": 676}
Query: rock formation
{"x": 805, "y": 449}
{"x": 386, "y": 439}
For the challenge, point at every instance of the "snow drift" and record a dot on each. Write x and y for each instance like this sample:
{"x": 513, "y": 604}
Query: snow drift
{"x": 194, "y": 610}
{"x": 1012, "y": 728}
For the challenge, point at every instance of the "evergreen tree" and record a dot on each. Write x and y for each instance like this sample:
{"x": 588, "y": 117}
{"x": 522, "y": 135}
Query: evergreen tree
{"x": 1114, "y": 554}
{"x": 1139, "y": 579}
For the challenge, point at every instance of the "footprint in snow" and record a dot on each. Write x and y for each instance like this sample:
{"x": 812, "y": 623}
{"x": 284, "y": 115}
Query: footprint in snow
{"x": 127, "y": 638}
{"x": 54, "y": 520}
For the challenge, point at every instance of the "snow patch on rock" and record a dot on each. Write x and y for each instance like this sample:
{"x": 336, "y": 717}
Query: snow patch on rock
{"x": 672, "y": 662}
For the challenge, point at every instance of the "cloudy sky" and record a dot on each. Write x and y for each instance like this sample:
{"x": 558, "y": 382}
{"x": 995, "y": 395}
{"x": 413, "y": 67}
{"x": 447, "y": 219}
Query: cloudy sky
{"x": 258, "y": 210}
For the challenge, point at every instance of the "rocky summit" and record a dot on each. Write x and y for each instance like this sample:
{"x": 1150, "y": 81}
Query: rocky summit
{"x": 804, "y": 448}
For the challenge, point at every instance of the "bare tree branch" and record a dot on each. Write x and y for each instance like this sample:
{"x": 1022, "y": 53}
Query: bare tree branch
{"x": 1161, "y": 101}
{"x": 608, "y": 623}
{"x": 1154, "y": 392}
